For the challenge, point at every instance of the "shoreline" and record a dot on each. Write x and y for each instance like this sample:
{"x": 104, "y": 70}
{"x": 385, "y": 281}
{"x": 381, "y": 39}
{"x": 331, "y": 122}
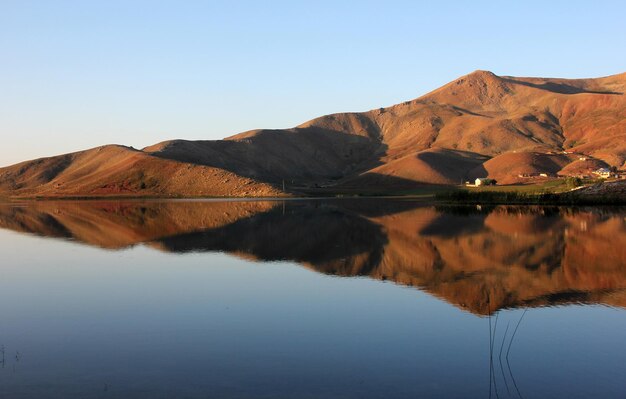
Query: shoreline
{"x": 434, "y": 199}
{"x": 552, "y": 193}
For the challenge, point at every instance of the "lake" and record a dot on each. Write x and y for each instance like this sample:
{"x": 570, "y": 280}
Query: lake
{"x": 311, "y": 299}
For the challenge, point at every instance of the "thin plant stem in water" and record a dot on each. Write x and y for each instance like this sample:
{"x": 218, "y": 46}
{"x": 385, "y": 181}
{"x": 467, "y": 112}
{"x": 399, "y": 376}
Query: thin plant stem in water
{"x": 495, "y": 328}
{"x": 490, "y": 348}
{"x": 506, "y": 384}
{"x": 507, "y": 354}
{"x": 504, "y": 338}
{"x": 495, "y": 384}
{"x": 513, "y": 378}
{"x": 515, "y": 332}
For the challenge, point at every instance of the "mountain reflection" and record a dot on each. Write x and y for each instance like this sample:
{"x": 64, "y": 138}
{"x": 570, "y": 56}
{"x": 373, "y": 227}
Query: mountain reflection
{"x": 479, "y": 259}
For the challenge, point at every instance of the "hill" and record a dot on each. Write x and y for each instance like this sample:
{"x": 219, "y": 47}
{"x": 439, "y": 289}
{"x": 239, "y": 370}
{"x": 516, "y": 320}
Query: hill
{"x": 122, "y": 171}
{"x": 480, "y": 125}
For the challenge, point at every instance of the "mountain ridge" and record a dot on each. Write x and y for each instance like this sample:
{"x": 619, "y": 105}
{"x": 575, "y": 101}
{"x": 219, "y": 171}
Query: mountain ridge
{"x": 478, "y": 125}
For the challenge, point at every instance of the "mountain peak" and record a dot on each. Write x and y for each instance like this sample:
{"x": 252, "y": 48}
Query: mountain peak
{"x": 482, "y": 76}
{"x": 475, "y": 90}
{"x": 481, "y": 72}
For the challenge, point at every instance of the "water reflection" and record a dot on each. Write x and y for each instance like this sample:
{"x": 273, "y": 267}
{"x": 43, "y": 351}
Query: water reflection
{"x": 479, "y": 259}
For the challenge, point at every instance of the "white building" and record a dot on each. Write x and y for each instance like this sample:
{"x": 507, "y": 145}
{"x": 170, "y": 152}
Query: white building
{"x": 603, "y": 173}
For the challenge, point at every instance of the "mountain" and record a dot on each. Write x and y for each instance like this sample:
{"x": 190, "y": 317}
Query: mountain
{"x": 480, "y": 125}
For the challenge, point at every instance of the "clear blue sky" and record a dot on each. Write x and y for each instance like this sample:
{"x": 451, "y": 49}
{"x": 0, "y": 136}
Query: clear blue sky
{"x": 77, "y": 74}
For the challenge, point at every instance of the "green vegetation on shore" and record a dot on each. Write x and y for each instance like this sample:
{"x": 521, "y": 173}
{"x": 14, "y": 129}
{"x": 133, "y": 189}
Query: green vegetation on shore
{"x": 564, "y": 191}
{"x": 561, "y": 191}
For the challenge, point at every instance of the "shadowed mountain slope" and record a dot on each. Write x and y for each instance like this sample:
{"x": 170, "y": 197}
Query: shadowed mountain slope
{"x": 476, "y": 126}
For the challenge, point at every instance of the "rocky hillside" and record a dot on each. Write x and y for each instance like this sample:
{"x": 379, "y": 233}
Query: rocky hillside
{"x": 480, "y": 125}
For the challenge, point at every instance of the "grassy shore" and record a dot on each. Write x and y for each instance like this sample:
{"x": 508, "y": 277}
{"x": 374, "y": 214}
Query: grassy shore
{"x": 559, "y": 191}
{"x": 556, "y": 191}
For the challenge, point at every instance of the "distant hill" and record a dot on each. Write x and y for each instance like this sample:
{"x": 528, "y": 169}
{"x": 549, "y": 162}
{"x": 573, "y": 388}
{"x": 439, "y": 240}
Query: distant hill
{"x": 480, "y": 125}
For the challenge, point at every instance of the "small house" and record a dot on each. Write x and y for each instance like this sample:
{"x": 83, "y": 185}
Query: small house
{"x": 484, "y": 181}
{"x": 603, "y": 173}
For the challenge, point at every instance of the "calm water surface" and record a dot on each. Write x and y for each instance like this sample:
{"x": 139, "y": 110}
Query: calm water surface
{"x": 311, "y": 299}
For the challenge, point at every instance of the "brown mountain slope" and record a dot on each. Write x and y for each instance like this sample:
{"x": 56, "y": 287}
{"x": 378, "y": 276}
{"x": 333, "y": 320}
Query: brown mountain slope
{"x": 121, "y": 171}
{"x": 507, "y": 168}
{"x": 300, "y": 154}
{"x": 480, "y": 124}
